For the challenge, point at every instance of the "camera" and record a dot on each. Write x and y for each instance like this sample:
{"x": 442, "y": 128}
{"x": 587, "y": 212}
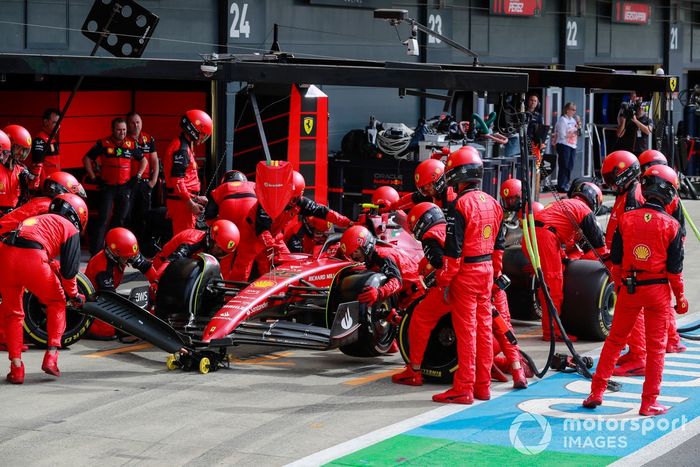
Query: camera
{"x": 629, "y": 109}
{"x": 208, "y": 69}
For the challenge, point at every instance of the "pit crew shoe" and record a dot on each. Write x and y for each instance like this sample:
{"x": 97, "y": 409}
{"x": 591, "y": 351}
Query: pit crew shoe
{"x": 519, "y": 379}
{"x": 483, "y": 394}
{"x": 630, "y": 368}
{"x": 497, "y": 374}
{"x": 676, "y": 348}
{"x": 629, "y": 356}
{"x": 409, "y": 377}
{"x": 50, "y": 364}
{"x": 16, "y": 374}
{"x": 652, "y": 409}
{"x": 593, "y": 400}
{"x": 453, "y": 396}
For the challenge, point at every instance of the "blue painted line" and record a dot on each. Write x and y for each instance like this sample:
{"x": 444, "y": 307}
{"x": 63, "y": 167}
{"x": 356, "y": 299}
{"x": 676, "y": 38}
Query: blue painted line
{"x": 597, "y": 432}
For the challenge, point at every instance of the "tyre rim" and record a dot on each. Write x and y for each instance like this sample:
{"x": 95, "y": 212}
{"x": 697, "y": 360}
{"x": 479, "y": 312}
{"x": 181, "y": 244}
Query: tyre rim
{"x": 35, "y": 317}
{"x": 607, "y": 309}
{"x": 381, "y": 328}
{"x": 442, "y": 346}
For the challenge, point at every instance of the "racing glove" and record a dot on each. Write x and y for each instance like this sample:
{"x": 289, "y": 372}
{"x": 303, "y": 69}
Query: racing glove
{"x": 338, "y": 219}
{"x": 369, "y": 295}
{"x": 681, "y": 305}
{"x": 77, "y": 301}
{"x": 450, "y": 267}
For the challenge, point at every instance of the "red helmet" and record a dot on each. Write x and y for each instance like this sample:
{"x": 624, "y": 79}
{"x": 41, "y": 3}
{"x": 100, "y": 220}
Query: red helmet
{"x": 356, "y": 237}
{"x": 121, "y": 245}
{"x": 619, "y": 170}
{"x": 422, "y": 217}
{"x": 225, "y": 235}
{"x": 197, "y": 125}
{"x": 298, "y": 185}
{"x": 5, "y": 147}
{"x": 72, "y": 207}
{"x": 660, "y": 182}
{"x": 318, "y": 228}
{"x": 385, "y": 196}
{"x": 236, "y": 210}
{"x": 511, "y": 194}
{"x": 63, "y": 182}
{"x": 464, "y": 166}
{"x": 590, "y": 193}
{"x": 21, "y": 141}
{"x": 651, "y": 157}
{"x": 234, "y": 176}
{"x": 427, "y": 173}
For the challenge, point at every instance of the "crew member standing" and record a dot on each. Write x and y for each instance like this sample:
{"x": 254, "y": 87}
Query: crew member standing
{"x": 647, "y": 255}
{"x": 473, "y": 222}
{"x": 11, "y": 173}
{"x": 180, "y": 167}
{"x": 114, "y": 155}
{"x": 45, "y": 157}
{"x": 143, "y": 182}
{"x": 27, "y": 261}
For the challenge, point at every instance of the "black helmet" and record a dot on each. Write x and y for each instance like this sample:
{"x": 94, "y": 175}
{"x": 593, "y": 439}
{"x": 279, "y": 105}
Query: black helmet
{"x": 590, "y": 193}
{"x": 234, "y": 176}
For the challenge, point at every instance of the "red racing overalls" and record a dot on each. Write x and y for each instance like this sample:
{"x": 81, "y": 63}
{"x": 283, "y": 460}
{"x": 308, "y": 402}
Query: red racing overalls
{"x": 181, "y": 183}
{"x": 648, "y": 249}
{"x": 45, "y": 157}
{"x": 33, "y": 207}
{"x": 27, "y": 262}
{"x": 473, "y": 222}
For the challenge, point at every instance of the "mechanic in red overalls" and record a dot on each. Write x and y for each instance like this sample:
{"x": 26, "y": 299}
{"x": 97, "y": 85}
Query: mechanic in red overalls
{"x": 27, "y": 261}
{"x": 430, "y": 187}
{"x": 106, "y": 270}
{"x": 647, "y": 256}
{"x": 45, "y": 157}
{"x": 142, "y": 182}
{"x": 180, "y": 167}
{"x": 21, "y": 146}
{"x": 359, "y": 245}
{"x": 511, "y": 192}
{"x": 55, "y": 184}
{"x": 473, "y": 222}
{"x": 220, "y": 239}
{"x": 270, "y": 232}
{"x": 114, "y": 156}
{"x": 427, "y": 222}
{"x": 13, "y": 176}
{"x": 557, "y": 225}
{"x": 309, "y": 235}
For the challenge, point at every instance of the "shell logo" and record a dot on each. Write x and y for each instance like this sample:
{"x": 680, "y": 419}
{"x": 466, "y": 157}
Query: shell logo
{"x": 2, "y": 186}
{"x": 506, "y": 191}
{"x": 263, "y": 284}
{"x": 647, "y": 217}
{"x": 487, "y": 231}
{"x": 30, "y": 221}
{"x": 641, "y": 252}
{"x": 230, "y": 245}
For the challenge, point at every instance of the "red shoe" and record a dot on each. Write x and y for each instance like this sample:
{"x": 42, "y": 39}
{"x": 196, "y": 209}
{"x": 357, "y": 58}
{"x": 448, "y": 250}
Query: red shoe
{"x": 629, "y": 356}
{"x": 409, "y": 377}
{"x": 497, "y": 374}
{"x": 482, "y": 394}
{"x": 652, "y": 409}
{"x": 593, "y": 401}
{"x": 50, "y": 364}
{"x": 676, "y": 348}
{"x": 453, "y": 396}
{"x": 25, "y": 347}
{"x": 16, "y": 374}
{"x": 519, "y": 379}
{"x": 630, "y": 368}
{"x": 393, "y": 348}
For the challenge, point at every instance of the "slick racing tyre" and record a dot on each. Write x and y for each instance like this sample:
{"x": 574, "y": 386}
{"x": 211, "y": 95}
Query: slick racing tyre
{"x": 440, "y": 357}
{"x": 589, "y": 300}
{"x": 77, "y": 324}
{"x": 375, "y": 335}
{"x": 522, "y": 298}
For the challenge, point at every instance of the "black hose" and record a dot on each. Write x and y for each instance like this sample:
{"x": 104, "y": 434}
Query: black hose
{"x": 690, "y": 337}
{"x": 689, "y": 328}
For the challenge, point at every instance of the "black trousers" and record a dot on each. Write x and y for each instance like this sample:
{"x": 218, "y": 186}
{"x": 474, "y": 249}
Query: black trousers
{"x": 115, "y": 201}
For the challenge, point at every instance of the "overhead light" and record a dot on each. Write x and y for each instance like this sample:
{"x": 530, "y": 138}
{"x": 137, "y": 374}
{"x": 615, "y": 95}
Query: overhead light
{"x": 313, "y": 92}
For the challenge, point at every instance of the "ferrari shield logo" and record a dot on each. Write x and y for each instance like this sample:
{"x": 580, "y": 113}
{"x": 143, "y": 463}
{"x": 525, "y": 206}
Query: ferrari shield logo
{"x": 672, "y": 83}
{"x": 647, "y": 217}
{"x": 308, "y": 125}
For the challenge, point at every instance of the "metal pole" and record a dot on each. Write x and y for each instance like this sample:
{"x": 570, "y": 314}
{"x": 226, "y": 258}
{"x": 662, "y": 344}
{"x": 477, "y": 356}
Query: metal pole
{"x": 261, "y": 130}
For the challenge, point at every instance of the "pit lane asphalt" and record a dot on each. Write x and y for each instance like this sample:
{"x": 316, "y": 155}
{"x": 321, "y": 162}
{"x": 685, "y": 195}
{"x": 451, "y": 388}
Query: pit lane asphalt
{"x": 118, "y": 405}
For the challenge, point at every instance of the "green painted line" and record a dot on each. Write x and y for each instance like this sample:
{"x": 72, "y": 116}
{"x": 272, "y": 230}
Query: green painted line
{"x": 420, "y": 451}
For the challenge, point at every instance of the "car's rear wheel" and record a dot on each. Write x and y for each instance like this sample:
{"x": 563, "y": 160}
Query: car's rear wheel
{"x": 77, "y": 324}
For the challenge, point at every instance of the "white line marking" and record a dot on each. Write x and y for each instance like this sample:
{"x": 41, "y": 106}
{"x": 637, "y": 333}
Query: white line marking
{"x": 660, "y": 447}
